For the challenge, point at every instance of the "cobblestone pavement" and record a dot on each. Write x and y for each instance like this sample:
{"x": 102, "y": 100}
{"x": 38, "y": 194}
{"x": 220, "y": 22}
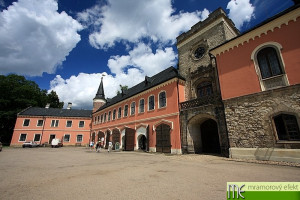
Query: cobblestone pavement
{"x": 80, "y": 173}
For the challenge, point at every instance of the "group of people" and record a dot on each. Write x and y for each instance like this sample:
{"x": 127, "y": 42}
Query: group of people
{"x": 99, "y": 145}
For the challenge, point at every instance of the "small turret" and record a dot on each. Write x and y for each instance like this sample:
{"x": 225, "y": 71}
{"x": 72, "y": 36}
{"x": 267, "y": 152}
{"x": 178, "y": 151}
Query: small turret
{"x": 99, "y": 99}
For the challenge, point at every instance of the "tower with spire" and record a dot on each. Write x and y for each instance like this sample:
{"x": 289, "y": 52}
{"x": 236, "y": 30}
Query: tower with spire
{"x": 99, "y": 99}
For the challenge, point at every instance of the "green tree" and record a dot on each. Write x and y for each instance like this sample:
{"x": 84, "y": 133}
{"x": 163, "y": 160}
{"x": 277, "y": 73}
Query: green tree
{"x": 16, "y": 94}
{"x": 122, "y": 88}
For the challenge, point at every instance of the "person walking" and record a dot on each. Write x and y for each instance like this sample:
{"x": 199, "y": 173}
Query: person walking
{"x": 98, "y": 147}
{"x": 109, "y": 147}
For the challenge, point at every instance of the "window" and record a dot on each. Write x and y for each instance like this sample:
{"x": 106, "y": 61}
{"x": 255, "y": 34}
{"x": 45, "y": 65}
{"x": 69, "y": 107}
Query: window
{"x": 67, "y": 138}
{"x": 26, "y": 122}
{"x": 104, "y": 117}
{"x": 95, "y": 120}
{"x": 22, "y": 137}
{"x": 287, "y": 127}
{"x": 54, "y": 123}
{"x": 101, "y": 118}
{"x": 204, "y": 89}
{"x": 119, "y": 112}
{"x": 81, "y": 124}
{"x": 37, "y": 137}
{"x": 109, "y": 114}
{"x": 98, "y": 119}
{"x": 125, "y": 110}
{"x": 151, "y": 104}
{"x": 114, "y": 114}
{"x": 69, "y": 123}
{"x": 79, "y": 138}
{"x": 268, "y": 62}
{"x": 142, "y": 106}
{"x": 40, "y": 122}
{"x": 162, "y": 100}
{"x": 132, "y": 108}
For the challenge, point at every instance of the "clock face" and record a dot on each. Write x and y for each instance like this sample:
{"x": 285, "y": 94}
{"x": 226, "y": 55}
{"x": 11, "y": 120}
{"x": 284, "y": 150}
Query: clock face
{"x": 200, "y": 51}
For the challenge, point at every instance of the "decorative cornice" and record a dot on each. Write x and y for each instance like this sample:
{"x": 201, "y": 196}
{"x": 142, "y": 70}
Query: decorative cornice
{"x": 258, "y": 32}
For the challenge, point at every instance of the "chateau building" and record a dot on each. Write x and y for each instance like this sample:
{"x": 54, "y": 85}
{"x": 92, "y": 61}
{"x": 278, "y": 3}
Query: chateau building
{"x": 259, "y": 73}
{"x": 44, "y": 124}
{"x": 144, "y": 117}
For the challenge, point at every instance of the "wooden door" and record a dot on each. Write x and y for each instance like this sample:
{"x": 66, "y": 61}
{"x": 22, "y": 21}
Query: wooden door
{"x": 115, "y": 137}
{"x": 129, "y": 139}
{"x": 163, "y": 140}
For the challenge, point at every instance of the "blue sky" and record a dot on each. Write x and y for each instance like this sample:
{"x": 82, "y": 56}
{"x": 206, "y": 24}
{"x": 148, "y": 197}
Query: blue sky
{"x": 67, "y": 45}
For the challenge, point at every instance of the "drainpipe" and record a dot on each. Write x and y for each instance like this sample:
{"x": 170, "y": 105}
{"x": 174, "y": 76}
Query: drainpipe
{"x": 44, "y": 122}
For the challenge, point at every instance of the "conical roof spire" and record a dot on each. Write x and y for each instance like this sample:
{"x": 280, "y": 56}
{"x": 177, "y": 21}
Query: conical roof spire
{"x": 100, "y": 93}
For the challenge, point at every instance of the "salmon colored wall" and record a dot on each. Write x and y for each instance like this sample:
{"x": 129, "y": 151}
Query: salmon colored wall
{"x": 59, "y": 131}
{"x": 237, "y": 71}
{"x": 151, "y": 117}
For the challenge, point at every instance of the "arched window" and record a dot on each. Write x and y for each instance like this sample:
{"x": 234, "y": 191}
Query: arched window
{"x": 119, "y": 113}
{"x": 204, "y": 89}
{"x": 268, "y": 62}
{"x": 151, "y": 103}
{"x": 125, "y": 110}
{"x": 132, "y": 108}
{"x": 109, "y": 114}
{"x": 162, "y": 99}
{"x": 142, "y": 106}
{"x": 114, "y": 114}
{"x": 287, "y": 127}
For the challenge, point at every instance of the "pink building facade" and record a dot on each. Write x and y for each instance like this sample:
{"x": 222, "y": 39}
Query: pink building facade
{"x": 44, "y": 124}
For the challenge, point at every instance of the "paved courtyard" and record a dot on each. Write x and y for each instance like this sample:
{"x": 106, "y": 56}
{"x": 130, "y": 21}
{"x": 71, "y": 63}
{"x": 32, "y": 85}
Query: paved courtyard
{"x": 78, "y": 173}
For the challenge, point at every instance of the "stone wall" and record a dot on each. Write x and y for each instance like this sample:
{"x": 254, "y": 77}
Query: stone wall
{"x": 249, "y": 118}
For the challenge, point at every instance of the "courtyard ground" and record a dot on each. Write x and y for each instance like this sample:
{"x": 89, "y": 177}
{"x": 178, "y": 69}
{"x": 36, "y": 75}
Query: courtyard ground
{"x": 79, "y": 173}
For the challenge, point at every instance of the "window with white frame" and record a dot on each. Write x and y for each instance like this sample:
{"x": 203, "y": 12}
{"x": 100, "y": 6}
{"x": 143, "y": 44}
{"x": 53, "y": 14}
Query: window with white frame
{"x": 67, "y": 138}
{"x": 109, "y": 115}
{"x": 40, "y": 122}
{"x": 104, "y": 117}
{"x": 114, "y": 114}
{"x": 26, "y": 122}
{"x": 162, "y": 99}
{"x": 269, "y": 65}
{"x": 101, "y": 119}
{"x": 119, "y": 113}
{"x": 23, "y": 137}
{"x": 69, "y": 123}
{"x": 125, "y": 110}
{"x": 132, "y": 108}
{"x": 81, "y": 124}
{"x": 151, "y": 103}
{"x": 79, "y": 138}
{"x": 54, "y": 123}
{"x": 37, "y": 137}
{"x": 142, "y": 106}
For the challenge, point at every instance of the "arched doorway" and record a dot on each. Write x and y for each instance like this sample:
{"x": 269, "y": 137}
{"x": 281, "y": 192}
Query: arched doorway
{"x": 210, "y": 137}
{"x": 101, "y": 137}
{"x": 163, "y": 139}
{"x": 142, "y": 142}
{"x": 115, "y": 137}
{"x": 107, "y": 139}
{"x": 204, "y": 135}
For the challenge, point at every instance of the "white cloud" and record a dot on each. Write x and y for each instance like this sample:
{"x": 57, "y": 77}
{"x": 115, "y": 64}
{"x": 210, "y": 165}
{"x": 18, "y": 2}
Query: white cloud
{"x": 81, "y": 89}
{"x": 35, "y": 38}
{"x": 240, "y": 11}
{"x": 128, "y": 69}
{"x": 133, "y": 20}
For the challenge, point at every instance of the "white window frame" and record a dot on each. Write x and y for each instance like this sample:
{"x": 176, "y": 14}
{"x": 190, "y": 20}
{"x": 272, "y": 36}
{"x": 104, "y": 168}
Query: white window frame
{"x": 140, "y": 105}
{"x": 127, "y": 111}
{"x": 119, "y": 113}
{"x": 24, "y": 122}
{"x": 159, "y": 99}
{"x": 20, "y": 137}
{"x": 56, "y": 120}
{"x": 149, "y": 102}
{"x": 67, "y": 123}
{"x": 81, "y": 138}
{"x": 131, "y": 108}
{"x": 79, "y": 124}
{"x": 69, "y": 137}
{"x": 114, "y": 117}
{"x": 35, "y": 135}
{"x": 37, "y": 123}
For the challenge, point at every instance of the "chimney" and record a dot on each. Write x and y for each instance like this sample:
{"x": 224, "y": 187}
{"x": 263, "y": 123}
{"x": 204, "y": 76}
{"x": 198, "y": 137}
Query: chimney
{"x": 69, "y": 105}
{"x": 47, "y": 105}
